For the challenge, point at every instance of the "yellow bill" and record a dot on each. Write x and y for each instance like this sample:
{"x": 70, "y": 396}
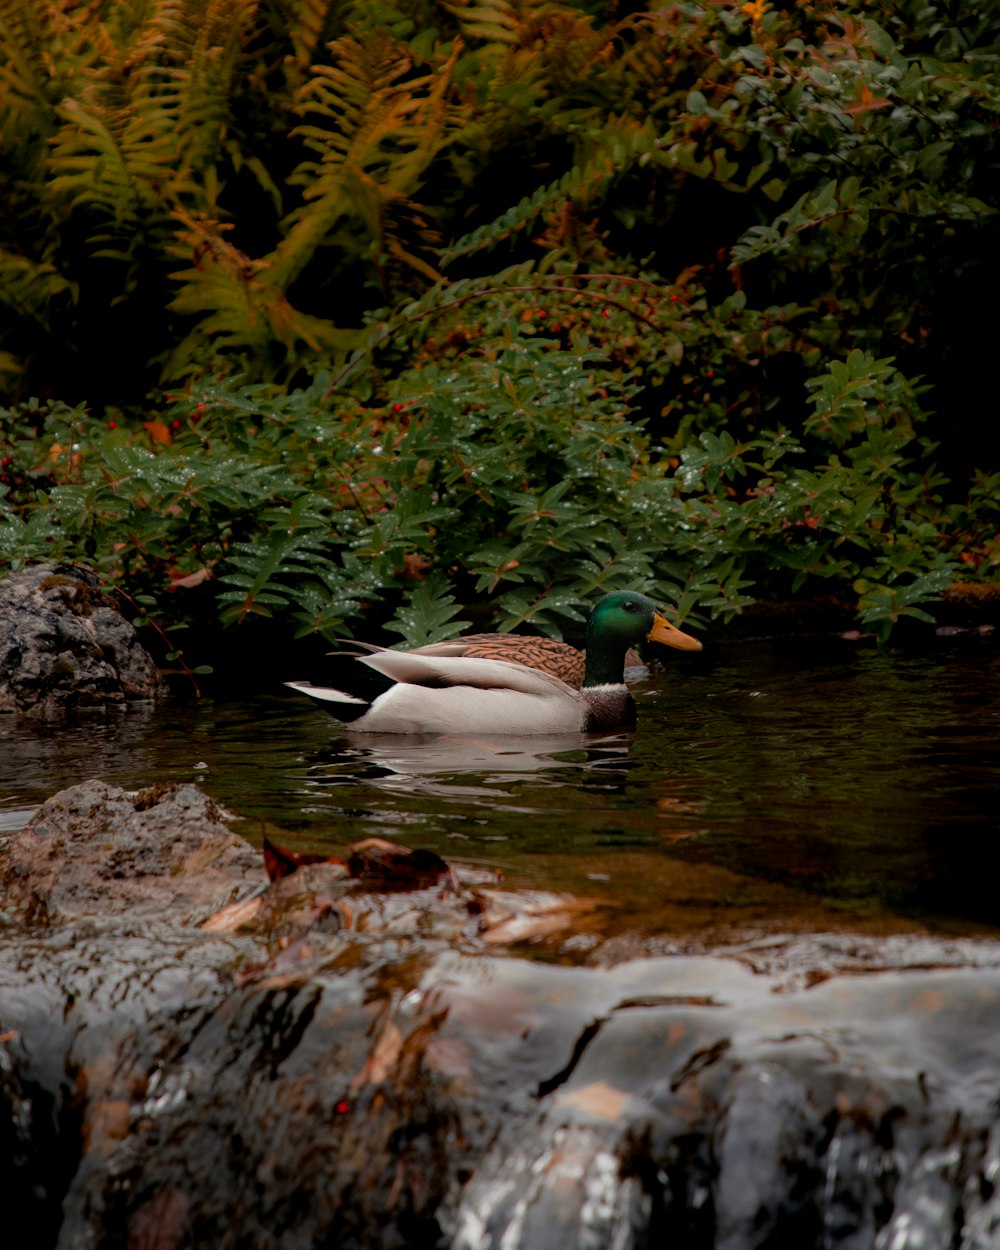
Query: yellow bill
{"x": 671, "y": 636}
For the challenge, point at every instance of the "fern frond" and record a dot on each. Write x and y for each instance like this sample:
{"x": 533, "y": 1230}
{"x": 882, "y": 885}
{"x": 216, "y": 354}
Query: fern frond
{"x": 28, "y": 287}
{"x": 616, "y": 151}
{"x": 572, "y": 48}
{"x": 46, "y": 52}
{"x": 114, "y": 161}
{"x": 238, "y": 303}
{"x": 205, "y": 90}
{"x": 493, "y": 21}
{"x": 307, "y": 23}
{"x": 151, "y": 119}
{"x": 375, "y": 128}
{"x": 23, "y": 93}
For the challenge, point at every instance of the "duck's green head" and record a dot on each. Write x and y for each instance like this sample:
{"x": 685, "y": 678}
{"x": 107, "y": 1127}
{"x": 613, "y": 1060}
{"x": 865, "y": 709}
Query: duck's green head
{"x": 619, "y": 621}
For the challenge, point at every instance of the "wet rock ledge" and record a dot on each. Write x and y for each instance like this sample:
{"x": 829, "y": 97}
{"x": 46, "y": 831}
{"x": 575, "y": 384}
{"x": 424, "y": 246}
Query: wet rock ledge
{"x": 191, "y": 1056}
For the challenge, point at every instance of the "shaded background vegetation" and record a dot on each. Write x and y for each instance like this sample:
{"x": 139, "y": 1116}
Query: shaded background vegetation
{"x": 438, "y": 312}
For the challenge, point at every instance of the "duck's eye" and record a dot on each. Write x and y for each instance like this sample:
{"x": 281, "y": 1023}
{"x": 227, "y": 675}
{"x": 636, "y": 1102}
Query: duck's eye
{"x": 629, "y": 605}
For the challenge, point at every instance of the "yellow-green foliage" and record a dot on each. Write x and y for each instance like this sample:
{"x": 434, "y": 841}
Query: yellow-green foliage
{"x": 249, "y": 180}
{"x": 253, "y": 181}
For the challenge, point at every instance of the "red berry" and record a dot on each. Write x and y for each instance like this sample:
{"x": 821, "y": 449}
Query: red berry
{"x": 112, "y": 425}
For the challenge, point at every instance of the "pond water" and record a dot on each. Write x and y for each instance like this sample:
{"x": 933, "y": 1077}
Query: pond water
{"x": 814, "y": 783}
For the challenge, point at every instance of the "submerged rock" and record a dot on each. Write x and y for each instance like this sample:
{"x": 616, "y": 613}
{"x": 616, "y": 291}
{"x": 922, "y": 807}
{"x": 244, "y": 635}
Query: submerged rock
{"x": 64, "y": 645}
{"x": 192, "y": 1056}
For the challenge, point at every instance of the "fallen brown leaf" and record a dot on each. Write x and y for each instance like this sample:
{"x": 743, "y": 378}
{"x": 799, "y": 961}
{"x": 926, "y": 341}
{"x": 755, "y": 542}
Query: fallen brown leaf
{"x": 279, "y": 862}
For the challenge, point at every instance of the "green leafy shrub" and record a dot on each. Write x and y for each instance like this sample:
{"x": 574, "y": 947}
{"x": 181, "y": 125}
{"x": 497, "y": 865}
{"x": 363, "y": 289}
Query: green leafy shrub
{"x": 522, "y": 480}
{"x": 294, "y": 510}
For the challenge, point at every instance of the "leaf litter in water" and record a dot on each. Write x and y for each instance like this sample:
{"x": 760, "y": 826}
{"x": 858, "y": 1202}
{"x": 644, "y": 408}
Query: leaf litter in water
{"x": 373, "y": 860}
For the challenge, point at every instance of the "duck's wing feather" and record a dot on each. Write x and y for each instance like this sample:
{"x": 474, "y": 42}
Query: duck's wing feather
{"x": 558, "y": 658}
{"x": 325, "y": 694}
{"x": 412, "y": 669}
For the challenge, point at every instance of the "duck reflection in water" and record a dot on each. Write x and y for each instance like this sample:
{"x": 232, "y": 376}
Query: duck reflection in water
{"x": 430, "y": 764}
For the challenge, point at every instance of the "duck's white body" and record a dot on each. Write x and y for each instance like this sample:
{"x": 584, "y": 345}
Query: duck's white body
{"x": 453, "y": 694}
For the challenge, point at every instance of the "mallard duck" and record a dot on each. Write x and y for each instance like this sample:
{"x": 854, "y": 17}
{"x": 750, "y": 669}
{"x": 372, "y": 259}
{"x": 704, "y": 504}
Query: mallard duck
{"x": 451, "y": 692}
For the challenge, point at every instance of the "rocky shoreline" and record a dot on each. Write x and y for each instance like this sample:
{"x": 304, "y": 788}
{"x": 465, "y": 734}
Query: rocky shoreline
{"x": 194, "y": 1055}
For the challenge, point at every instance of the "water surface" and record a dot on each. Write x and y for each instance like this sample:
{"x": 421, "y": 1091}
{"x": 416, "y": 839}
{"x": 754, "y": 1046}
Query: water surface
{"x": 815, "y": 783}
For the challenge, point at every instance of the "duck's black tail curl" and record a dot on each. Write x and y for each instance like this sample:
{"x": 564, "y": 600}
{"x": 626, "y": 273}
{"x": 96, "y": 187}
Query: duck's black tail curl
{"x": 341, "y": 673}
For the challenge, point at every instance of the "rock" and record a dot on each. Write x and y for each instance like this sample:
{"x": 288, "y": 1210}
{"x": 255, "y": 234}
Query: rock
{"x": 64, "y": 645}
{"x": 190, "y": 1056}
{"x": 95, "y": 850}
